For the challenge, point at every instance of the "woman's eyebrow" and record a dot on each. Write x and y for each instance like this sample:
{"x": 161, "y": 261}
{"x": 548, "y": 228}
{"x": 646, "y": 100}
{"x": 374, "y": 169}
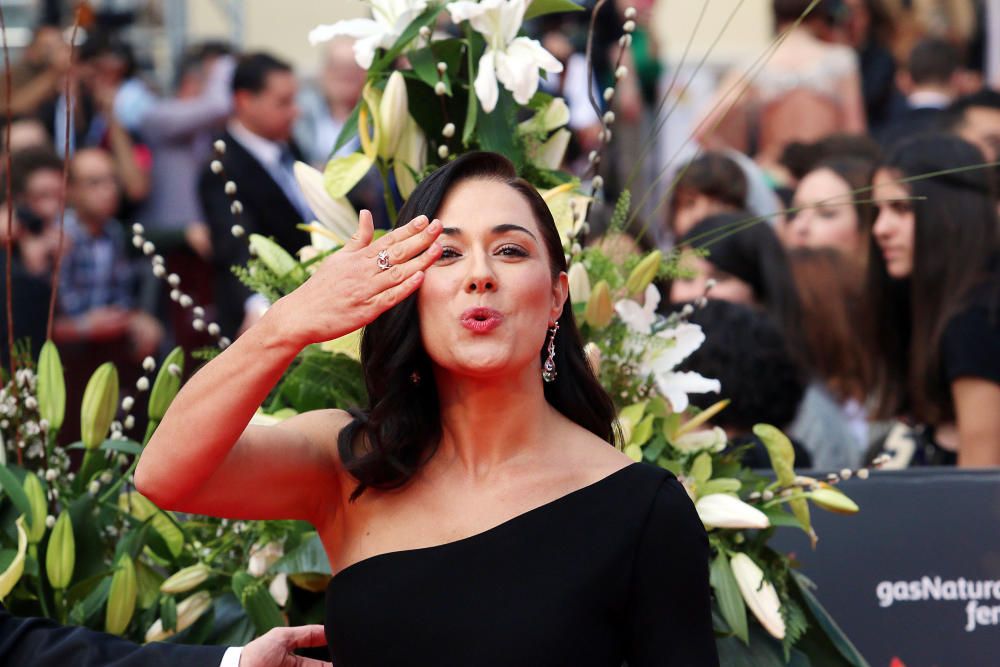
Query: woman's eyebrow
{"x": 499, "y": 229}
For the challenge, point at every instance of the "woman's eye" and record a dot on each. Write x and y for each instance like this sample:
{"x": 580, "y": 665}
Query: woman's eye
{"x": 448, "y": 253}
{"x": 512, "y": 251}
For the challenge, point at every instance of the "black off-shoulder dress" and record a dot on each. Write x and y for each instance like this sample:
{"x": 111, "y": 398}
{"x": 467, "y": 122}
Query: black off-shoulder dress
{"x": 615, "y": 572}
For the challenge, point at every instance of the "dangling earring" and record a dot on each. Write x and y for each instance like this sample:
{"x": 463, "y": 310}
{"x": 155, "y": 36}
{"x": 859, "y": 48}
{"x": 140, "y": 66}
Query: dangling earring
{"x": 415, "y": 377}
{"x": 549, "y": 367}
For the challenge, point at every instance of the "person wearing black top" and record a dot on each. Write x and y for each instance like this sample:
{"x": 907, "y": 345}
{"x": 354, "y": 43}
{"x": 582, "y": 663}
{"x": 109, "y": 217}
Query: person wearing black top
{"x": 934, "y": 290}
{"x": 477, "y": 512}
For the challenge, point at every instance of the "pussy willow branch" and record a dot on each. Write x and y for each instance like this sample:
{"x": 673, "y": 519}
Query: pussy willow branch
{"x": 70, "y": 72}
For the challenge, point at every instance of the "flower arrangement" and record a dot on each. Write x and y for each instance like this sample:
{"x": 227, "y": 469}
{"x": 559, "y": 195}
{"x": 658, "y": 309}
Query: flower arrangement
{"x": 85, "y": 547}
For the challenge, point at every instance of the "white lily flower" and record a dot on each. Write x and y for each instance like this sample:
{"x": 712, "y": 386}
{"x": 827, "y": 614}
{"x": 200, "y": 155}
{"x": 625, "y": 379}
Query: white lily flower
{"x": 721, "y": 510}
{"x": 513, "y": 61}
{"x": 550, "y": 154}
{"x": 659, "y": 357}
{"x": 759, "y": 594}
{"x": 389, "y": 19}
{"x": 640, "y": 318}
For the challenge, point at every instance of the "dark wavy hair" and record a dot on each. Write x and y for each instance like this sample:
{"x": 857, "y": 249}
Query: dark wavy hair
{"x": 401, "y": 428}
{"x": 955, "y": 246}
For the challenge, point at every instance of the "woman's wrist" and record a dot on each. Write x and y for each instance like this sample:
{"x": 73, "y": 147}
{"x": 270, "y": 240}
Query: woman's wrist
{"x": 272, "y": 333}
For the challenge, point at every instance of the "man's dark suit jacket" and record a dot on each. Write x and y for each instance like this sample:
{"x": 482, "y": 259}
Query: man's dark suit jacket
{"x": 266, "y": 211}
{"x": 912, "y": 122}
{"x": 38, "y": 642}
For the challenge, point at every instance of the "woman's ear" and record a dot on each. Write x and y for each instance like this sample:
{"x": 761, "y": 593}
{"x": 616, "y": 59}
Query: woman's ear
{"x": 560, "y": 292}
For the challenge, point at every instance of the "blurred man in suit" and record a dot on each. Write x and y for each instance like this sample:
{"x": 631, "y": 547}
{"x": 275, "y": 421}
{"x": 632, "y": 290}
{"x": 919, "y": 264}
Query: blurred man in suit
{"x": 259, "y": 158}
{"x": 930, "y": 83}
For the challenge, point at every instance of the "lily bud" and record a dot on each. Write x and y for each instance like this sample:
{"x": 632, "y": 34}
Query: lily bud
{"x": 411, "y": 158}
{"x": 263, "y": 556}
{"x": 759, "y": 594}
{"x": 167, "y": 384}
{"x": 100, "y": 401}
{"x": 644, "y": 273}
{"x": 593, "y": 354}
{"x": 51, "y": 386}
{"x": 184, "y": 580}
{"x": 36, "y": 501}
{"x": 121, "y": 597}
{"x": 713, "y": 440}
{"x": 336, "y": 214}
{"x": 579, "y": 283}
{"x": 392, "y": 114}
{"x": 833, "y": 500}
{"x": 188, "y": 611}
{"x": 10, "y": 576}
{"x": 60, "y": 557}
{"x": 600, "y": 310}
{"x": 721, "y": 510}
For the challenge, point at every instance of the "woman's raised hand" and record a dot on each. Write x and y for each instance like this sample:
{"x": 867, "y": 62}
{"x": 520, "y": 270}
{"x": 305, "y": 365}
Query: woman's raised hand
{"x": 351, "y": 288}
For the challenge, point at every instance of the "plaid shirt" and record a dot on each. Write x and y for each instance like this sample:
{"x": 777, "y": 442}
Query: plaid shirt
{"x": 96, "y": 272}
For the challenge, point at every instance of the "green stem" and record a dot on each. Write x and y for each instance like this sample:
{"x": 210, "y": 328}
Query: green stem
{"x": 390, "y": 205}
{"x": 33, "y": 552}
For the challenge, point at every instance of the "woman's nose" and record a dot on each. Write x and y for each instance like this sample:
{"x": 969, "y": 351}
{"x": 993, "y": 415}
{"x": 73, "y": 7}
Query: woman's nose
{"x": 481, "y": 277}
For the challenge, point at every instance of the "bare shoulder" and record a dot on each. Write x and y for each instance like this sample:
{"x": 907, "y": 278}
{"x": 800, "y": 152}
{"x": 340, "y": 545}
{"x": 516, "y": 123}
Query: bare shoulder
{"x": 593, "y": 454}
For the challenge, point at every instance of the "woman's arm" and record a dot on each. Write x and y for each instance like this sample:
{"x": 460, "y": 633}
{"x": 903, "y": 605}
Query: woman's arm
{"x": 977, "y": 411}
{"x": 203, "y": 457}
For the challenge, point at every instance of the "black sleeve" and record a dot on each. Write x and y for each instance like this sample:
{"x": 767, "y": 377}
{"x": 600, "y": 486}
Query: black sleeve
{"x": 31, "y": 642}
{"x": 669, "y": 611}
{"x": 970, "y": 345}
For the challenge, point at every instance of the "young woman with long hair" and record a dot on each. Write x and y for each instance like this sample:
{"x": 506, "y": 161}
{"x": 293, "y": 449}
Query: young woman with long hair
{"x": 476, "y": 511}
{"x": 934, "y": 288}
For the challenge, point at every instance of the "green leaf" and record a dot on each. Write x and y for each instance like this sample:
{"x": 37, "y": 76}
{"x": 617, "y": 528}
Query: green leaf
{"x": 87, "y": 608}
{"x": 349, "y": 131}
{"x": 424, "y": 62}
{"x": 121, "y": 446}
{"x": 168, "y": 612}
{"x": 719, "y": 485}
{"x": 643, "y": 431}
{"x": 727, "y": 593}
{"x": 259, "y": 605}
{"x": 51, "y": 386}
{"x": 782, "y": 455}
{"x": 308, "y": 557}
{"x": 472, "y": 108}
{"x": 701, "y": 469}
{"x": 321, "y": 380}
{"x": 825, "y": 623}
{"x": 495, "y": 130}
{"x": 12, "y": 487}
{"x": 341, "y": 174}
{"x": 541, "y": 7}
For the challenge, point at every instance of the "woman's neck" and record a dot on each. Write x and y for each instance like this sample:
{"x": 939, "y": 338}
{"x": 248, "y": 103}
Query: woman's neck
{"x": 489, "y": 422}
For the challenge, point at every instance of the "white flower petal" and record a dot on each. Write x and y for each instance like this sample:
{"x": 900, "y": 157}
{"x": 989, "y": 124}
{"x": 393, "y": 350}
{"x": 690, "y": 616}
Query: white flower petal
{"x": 684, "y": 339}
{"x": 675, "y": 387}
{"x": 634, "y": 316}
{"x": 486, "y": 82}
{"x": 539, "y": 55}
{"x": 518, "y": 71}
{"x": 356, "y": 28}
{"x": 463, "y": 10}
{"x": 711, "y": 439}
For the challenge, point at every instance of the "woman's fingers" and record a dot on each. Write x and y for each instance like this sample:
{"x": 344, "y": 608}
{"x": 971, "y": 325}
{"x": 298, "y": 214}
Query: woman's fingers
{"x": 408, "y": 248}
{"x": 398, "y": 273}
{"x": 395, "y": 294}
{"x": 364, "y": 233}
{"x": 412, "y": 228}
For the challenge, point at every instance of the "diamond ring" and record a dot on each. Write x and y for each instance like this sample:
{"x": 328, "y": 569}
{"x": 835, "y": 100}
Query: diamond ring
{"x": 382, "y": 259}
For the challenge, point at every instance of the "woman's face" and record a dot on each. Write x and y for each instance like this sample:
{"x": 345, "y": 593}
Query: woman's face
{"x": 727, "y": 286}
{"x": 486, "y": 305}
{"x": 827, "y": 218}
{"x": 895, "y": 223}
{"x": 690, "y": 208}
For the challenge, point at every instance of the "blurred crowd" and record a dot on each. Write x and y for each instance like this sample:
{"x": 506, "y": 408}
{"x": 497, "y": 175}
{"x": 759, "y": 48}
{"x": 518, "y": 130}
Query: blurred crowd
{"x": 835, "y": 205}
